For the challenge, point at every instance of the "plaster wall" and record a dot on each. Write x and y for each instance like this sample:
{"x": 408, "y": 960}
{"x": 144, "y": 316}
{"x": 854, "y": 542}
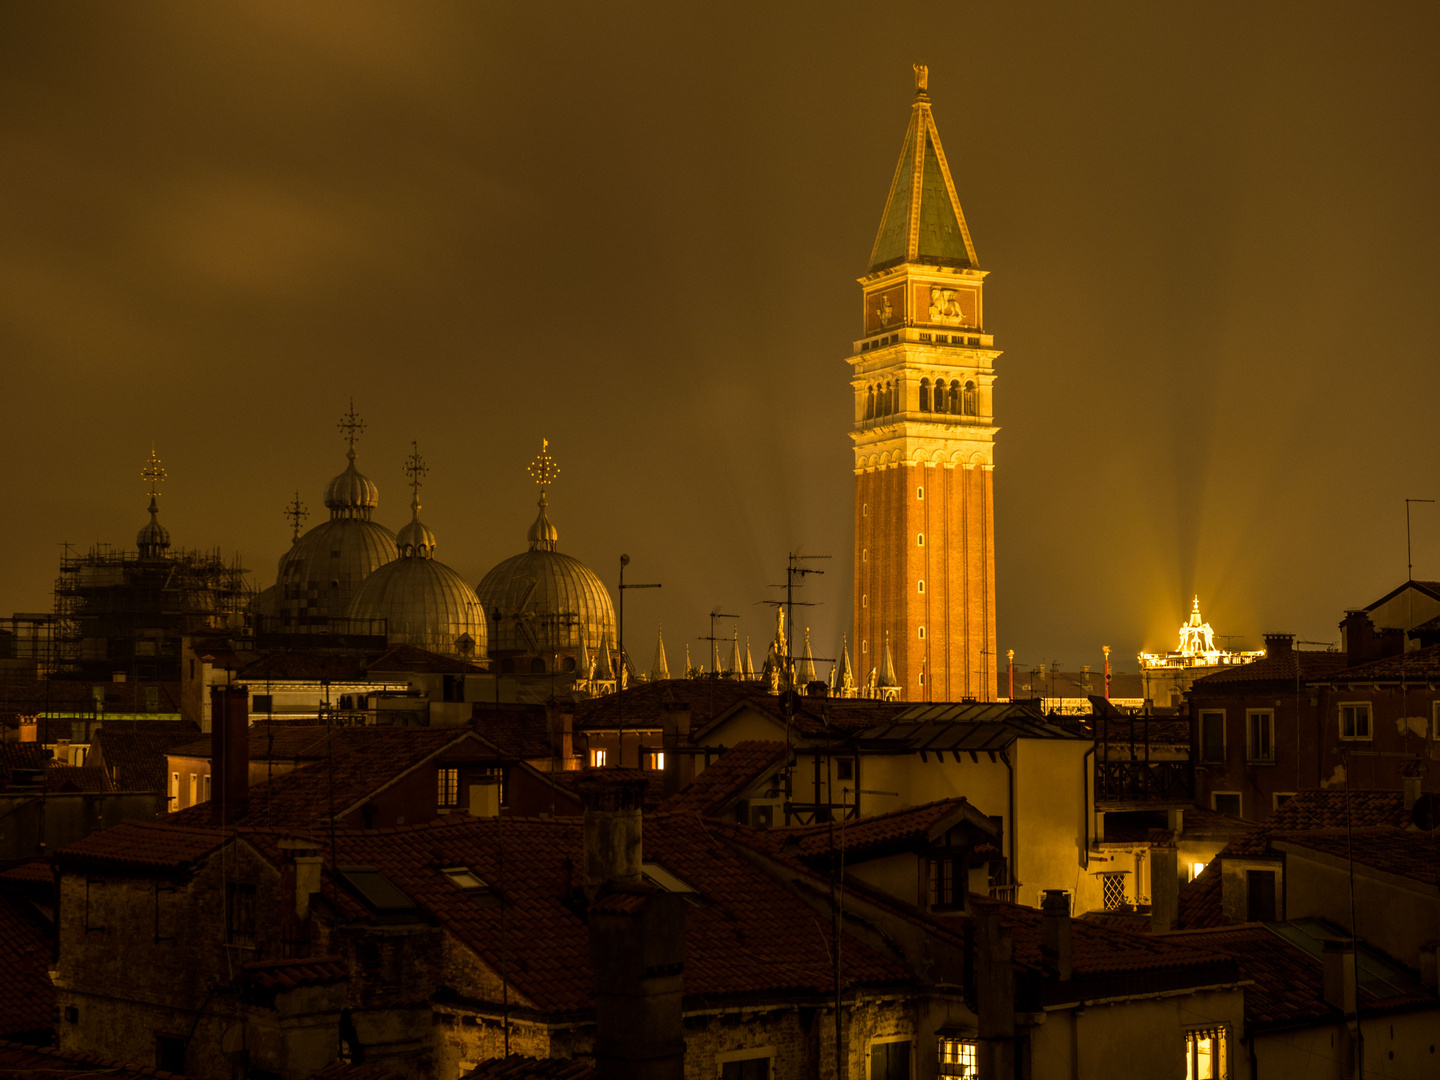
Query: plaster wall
{"x": 1394, "y": 918}
{"x": 1400, "y": 1046}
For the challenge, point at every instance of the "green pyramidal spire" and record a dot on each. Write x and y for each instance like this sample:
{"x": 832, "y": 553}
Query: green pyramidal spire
{"x": 922, "y": 222}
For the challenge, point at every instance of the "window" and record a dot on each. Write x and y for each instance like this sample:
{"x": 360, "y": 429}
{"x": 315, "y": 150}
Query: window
{"x": 864, "y": 646}
{"x": 864, "y": 600}
{"x": 1260, "y": 736}
{"x": 1259, "y": 895}
{"x": 661, "y": 878}
{"x": 240, "y": 914}
{"x": 1280, "y": 798}
{"x": 207, "y": 787}
{"x": 463, "y": 877}
{"x": 751, "y": 1068}
{"x": 174, "y": 791}
{"x": 447, "y": 787}
{"x": 864, "y": 554}
{"x": 655, "y": 760}
{"x": 844, "y": 769}
{"x": 152, "y": 699}
{"x": 1355, "y": 720}
{"x": 947, "y": 881}
{"x": 922, "y": 586}
{"x": 1212, "y": 736}
{"x": 170, "y": 1053}
{"x": 1226, "y": 802}
{"x": 1196, "y": 869}
{"x": 922, "y": 633}
{"x": 958, "y": 1058}
{"x": 194, "y": 789}
{"x": 938, "y": 402}
{"x": 920, "y": 540}
{"x": 1112, "y": 891}
{"x": 968, "y": 407}
{"x": 920, "y": 494}
{"x": 597, "y": 759}
{"x": 262, "y": 703}
{"x": 890, "y": 1060}
{"x": 1206, "y": 1055}
{"x": 924, "y": 395}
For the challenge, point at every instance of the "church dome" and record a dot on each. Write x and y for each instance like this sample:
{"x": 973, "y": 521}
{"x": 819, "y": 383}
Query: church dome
{"x": 352, "y": 494}
{"x": 154, "y": 539}
{"x": 548, "y": 601}
{"x": 423, "y": 602}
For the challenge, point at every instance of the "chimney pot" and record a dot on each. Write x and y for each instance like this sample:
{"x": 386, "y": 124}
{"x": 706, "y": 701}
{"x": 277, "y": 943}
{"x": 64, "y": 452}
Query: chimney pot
{"x": 1164, "y": 888}
{"x": 612, "y": 832}
{"x": 1279, "y": 644}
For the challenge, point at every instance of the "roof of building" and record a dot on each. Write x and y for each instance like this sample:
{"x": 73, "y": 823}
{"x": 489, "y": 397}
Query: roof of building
{"x": 519, "y": 1067}
{"x": 413, "y": 660}
{"x": 135, "y": 759}
{"x": 1430, "y": 587}
{"x": 1327, "y": 808}
{"x": 645, "y": 704}
{"x": 1403, "y": 852}
{"x": 1416, "y": 665}
{"x": 522, "y": 733}
{"x": 28, "y": 757}
{"x": 1122, "y": 727}
{"x": 152, "y": 845}
{"x": 27, "y": 999}
{"x": 725, "y": 780}
{"x": 1313, "y": 664}
{"x": 898, "y": 830}
{"x": 22, "y": 1061}
{"x": 354, "y": 1070}
{"x": 967, "y": 727}
{"x": 33, "y": 696}
{"x": 77, "y": 778}
{"x": 288, "y": 666}
{"x": 291, "y": 974}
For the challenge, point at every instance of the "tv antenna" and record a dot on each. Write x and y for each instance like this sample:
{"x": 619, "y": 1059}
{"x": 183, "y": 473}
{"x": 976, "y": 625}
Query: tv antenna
{"x": 715, "y": 613}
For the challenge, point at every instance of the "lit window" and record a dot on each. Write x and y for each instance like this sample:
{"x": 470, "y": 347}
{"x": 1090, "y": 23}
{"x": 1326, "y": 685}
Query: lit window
{"x": 448, "y": 787}
{"x": 922, "y": 586}
{"x": 1355, "y": 720}
{"x": 920, "y": 540}
{"x": 958, "y": 1058}
{"x": 463, "y": 877}
{"x": 174, "y": 791}
{"x": 922, "y": 678}
{"x": 1196, "y": 869}
{"x": 1260, "y": 736}
{"x": 194, "y": 788}
{"x": 864, "y": 509}
{"x": 1205, "y": 1055}
{"x": 597, "y": 759}
{"x": 656, "y": 760}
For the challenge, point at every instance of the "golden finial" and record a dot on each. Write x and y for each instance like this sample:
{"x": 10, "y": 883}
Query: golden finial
{"x": 415, "y": 468}
{"x": 351, "y": 426}
{"x": 543, "y": 469}
{"x": 153, "y": 473}
{"x": 922, "y": 78}
{"x": 295, "y": 513}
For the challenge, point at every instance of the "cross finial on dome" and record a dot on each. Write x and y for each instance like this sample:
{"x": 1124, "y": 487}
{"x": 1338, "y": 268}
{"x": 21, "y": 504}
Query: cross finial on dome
{"x": 415, "y": 468}
{"x": 543, "y": 469}
{"x": 295, "y": 512}
{"x": 153, "y": 473}
{"x": 352, "y": 427}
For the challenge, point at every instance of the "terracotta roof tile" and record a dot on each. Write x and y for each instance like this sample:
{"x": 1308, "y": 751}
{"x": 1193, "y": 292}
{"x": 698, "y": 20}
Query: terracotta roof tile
{"x": 135, "y": 759}
{"x": 723, "y": 781}
{"x": 91, "y": 778}
{"x": 515, "y": 733}
{"x": 883, "y": 832}
{"x": 349, "y": 1070}
{"x": 1314, "y": 664}
{"x": 162, "y": 845}
{"x": 519, "y": 1067}
{"x": 1403, "y": 852}
{"x": 27, "y": 1000}
{"x": 290, "y": 974}
{"x": 1421, "y": 664}
{"x": 20, "y": 1061}
{"x": 1327, "y": 809}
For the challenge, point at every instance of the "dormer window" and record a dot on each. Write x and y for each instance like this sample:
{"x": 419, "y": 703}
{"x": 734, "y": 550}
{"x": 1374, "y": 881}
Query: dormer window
{"x": 462, "y": 877}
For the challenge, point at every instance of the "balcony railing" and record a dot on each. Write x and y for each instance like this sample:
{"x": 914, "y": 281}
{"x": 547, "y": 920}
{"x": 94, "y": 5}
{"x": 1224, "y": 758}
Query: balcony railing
{"x": 1140, "y": 781}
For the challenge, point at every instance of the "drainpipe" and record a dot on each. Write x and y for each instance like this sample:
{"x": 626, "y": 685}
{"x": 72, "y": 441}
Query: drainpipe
{"x": 1085, "y": 800}
{"x": 1250, "y": 1050}
{"x": 1010, "y": 784}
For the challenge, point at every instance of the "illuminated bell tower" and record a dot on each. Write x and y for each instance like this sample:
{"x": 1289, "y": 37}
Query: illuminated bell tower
{"x": 924, "y": 436}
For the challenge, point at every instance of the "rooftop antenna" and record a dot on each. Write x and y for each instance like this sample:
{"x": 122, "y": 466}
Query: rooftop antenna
{"x": 716, "y": 613}
{"x": 620, "y": 675}
{"x": 295, "y": 512}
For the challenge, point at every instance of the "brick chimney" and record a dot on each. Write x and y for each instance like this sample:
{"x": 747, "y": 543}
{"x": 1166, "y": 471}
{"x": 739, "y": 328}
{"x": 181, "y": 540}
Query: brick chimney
{"x": 1278, "y": 644}
{"x": 229, "y": 753}
{"x": 994, "y": 993}
{"x": 1361, "y": 641}
{"x": 1055, "y": 934}
{"x": 612, "y": 832}
{"x": 637, "y": 955}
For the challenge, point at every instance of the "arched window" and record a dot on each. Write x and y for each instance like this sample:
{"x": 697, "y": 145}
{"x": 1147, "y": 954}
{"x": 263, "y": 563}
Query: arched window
{"x": 937, "y": 403}
{"x": 954, "y": 395}
{"x": 924, "y": 395}
{"x": 922, "y": 587}
{"x": 919, "y": 539}
{"x": 969, "y": 402}
{"x": 922, "y": 633}
{"x": 889, "y": 399}
{"x": 569, "y": 663}
{"x": 870, "y": 403}
{"x": 537, "y": 666}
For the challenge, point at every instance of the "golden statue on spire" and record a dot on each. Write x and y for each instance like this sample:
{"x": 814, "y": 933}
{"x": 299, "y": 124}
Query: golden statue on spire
{"x": 153, "y": 473}
{"x": 543, "y": 469}
{"x": 922, "y": 78}
{"x": 352, "y": 426}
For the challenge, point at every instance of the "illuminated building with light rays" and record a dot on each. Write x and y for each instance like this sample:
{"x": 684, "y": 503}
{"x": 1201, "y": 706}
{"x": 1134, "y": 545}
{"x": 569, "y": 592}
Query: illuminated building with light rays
{"x": 1167, "y": 676}
{"x": 924, "y": 440}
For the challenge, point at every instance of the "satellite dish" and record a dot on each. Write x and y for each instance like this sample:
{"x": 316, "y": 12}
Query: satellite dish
{"x": 1425, "y": 812}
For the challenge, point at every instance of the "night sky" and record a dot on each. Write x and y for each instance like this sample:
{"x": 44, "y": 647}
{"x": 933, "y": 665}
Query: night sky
{"x": 1213, "y": 233}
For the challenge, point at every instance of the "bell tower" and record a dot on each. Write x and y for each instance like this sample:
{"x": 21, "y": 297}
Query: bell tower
{"x": 924, "y": 438}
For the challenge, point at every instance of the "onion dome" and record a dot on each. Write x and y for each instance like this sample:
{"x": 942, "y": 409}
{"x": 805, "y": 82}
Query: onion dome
{"x": 423, "y": 602}
{"x": 548, "y": 602}
{"x": 352, "y": 494}
{"x": 154, "y": 538}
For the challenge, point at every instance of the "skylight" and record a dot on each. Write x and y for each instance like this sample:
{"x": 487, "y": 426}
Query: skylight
{"x": 379, "y": 892}
{"x": 463, "y": 877}
{"x": 661, "y": 878}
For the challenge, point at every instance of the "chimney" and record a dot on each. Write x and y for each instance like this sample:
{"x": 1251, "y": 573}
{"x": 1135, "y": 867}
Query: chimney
{"x": 1339, "y": 961}
{"x": 994, "y": 994}
{"x": 1278, "y": 644}
{"x": 229, "y": 753}
{"x": 1392, "y": 641}
{"x": 675, "y": 728}
{"x": 560, "y": 719}
{"x": 1358, "y": 633}
{"x": 637, "y": 956}
{"x": 485, "y": 799}
{"x": 612, "y": 832}
{"x": 1164, "y": 888}
{"x": 1055, "y": 934}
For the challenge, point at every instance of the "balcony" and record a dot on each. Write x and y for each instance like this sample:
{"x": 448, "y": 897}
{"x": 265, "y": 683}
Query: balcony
{"x": 1141, "y": 783}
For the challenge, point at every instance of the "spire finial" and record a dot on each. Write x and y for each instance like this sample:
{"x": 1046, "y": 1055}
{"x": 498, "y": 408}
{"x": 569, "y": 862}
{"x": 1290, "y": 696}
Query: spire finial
{"x": 295, "y": 513}
{"x": 153, "y": 473}
{"x": 415, "y": 468}
{"x": 543, "y": 469}
{"x": 922, "y": 79}
{"x": 352, "y": 427}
